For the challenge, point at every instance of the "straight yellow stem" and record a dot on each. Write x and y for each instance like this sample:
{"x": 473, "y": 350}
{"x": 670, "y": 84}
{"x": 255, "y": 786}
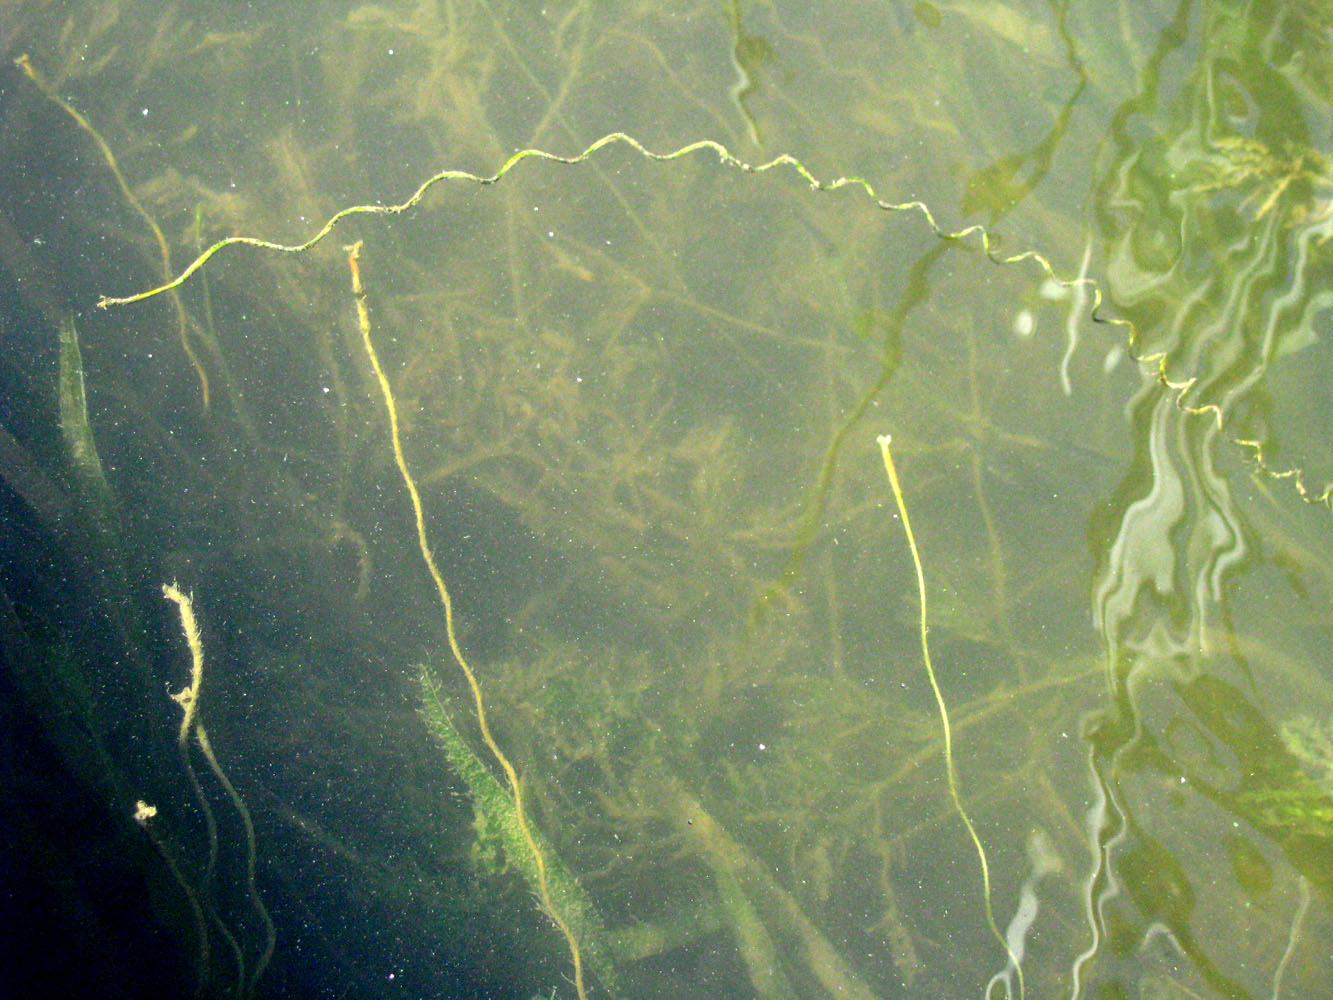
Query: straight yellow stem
{"x": 950, "y": 770}
{"x": 516, "y": 789}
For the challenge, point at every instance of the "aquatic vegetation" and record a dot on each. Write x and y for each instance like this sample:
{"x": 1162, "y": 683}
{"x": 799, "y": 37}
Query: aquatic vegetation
{"x": 591, "y": 433}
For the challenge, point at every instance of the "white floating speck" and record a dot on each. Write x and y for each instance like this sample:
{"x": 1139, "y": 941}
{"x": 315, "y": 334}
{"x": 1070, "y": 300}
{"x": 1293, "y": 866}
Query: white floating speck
{"x": 1024, "y": 323}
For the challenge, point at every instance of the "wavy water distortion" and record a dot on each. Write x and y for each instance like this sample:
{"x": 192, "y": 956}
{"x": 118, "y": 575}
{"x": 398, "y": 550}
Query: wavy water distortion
{"x": 561, "y": 638}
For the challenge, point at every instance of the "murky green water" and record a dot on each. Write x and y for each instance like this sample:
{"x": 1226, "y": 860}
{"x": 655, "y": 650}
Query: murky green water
{"x": 1072, "y": 258}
